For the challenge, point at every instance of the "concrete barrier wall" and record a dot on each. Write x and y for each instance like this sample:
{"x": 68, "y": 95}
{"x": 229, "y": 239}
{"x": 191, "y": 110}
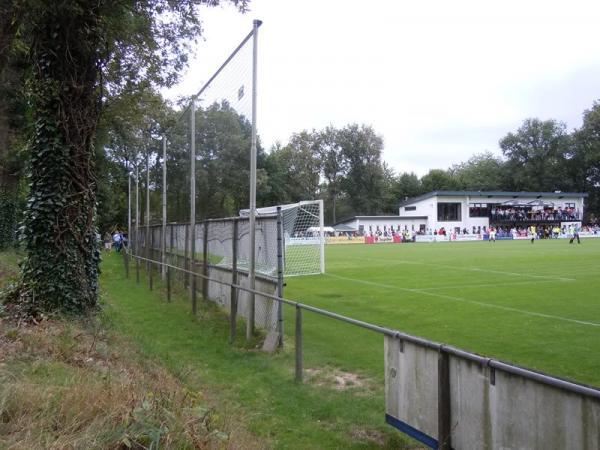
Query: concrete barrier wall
{"x": 265, "y": 310}
{"x": 489, "y": 408}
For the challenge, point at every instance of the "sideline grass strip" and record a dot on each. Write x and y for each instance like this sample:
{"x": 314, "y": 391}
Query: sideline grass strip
{"x": 257, "y": 387}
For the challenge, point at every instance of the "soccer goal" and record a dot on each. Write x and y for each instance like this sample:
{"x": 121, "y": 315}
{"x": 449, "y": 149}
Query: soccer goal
{"x": 303, "y": 236}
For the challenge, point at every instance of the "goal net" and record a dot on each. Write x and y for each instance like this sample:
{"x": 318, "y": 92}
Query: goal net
{"x": 303, "y": 237}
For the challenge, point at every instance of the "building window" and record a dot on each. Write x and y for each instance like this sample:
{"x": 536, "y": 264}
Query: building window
{"x": 569, "y": 205}
{"x": 410, "y": 208}
{"x": 478, "y": 210}
{"x": 448, "y": 212}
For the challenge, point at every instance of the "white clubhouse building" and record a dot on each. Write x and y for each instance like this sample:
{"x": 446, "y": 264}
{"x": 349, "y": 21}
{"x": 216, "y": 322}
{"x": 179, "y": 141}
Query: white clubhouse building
{"x": 474, "y": 212}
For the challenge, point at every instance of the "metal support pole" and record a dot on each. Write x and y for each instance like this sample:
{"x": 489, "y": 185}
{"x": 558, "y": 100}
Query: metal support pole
{"x": 252, "y": 253}
{"x": 193, "y": 203}
{"x": 170, "y": 257}
{"x": 168, "y": 276}
{"x": 150, "y": 264}
{"x": 129, "y": 234}
{"x": 147, "y": 240}
{"x": 233, "y": 301}
{"x": 299, "y": 352}
{"x": 137, "y": 222}
{"x": 444, "y": 417}
{"x": 126, "y": 261}
{"x": 205, "y": 261}
{"x": 163, "y": 246}
{"x": 279, "y": 275}
{"x": 186, "y": 253}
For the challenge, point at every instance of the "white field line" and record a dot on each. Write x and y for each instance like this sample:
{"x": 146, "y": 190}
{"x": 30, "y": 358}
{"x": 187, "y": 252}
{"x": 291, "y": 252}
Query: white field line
{"x": 464, "y": 300}
{"x": 463, "y": 286}
{"x": 470, "y": 269}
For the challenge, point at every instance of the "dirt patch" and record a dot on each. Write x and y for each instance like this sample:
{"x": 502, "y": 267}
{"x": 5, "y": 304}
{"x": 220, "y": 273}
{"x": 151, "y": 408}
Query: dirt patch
{"x": 336, "y": 379}
{"x": 369, "y": 435}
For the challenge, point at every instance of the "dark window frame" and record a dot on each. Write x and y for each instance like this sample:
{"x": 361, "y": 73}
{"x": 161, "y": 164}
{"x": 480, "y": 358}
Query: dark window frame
{"x": 449, "y": 211}
{"x": 484, "y": 211}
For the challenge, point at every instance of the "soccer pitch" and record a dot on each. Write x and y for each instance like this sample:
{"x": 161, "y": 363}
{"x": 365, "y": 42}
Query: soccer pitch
{"x": 535, "y": 305}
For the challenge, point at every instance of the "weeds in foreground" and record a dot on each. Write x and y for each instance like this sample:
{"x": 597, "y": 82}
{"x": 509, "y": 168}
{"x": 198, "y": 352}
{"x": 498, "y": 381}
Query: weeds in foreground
{"x": 76, "y": 385}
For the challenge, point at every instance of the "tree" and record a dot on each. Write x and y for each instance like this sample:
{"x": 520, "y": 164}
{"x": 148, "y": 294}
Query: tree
{"x": 333, "y": 164}
{"x": 536, "y": 156}
{"x": 79, "y": 53}
{"x": 364, "y": 181}
{"x": 483, "y": 172}
{"x": 584, "y": 164}
{"x": 406, "y": 185}
{"x": 439, "y": 180}
{"x": 223, "y": 139}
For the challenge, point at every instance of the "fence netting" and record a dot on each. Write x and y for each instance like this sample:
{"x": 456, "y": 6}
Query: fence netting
{"x": 194, "y": 184}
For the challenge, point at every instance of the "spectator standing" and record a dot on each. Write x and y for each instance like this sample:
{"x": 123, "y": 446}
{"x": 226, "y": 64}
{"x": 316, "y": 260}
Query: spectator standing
{"x": 117, "y": 240}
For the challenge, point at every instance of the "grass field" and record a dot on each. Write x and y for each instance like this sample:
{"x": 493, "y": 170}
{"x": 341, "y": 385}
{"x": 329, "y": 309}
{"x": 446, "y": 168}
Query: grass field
{"x": 536, "y": 305}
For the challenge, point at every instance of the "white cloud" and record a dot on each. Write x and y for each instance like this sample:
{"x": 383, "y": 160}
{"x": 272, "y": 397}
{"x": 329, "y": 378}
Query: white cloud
{"x": 439, "y": 80}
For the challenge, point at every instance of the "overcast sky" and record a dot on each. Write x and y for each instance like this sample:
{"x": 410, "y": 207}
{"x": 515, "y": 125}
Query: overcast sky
{"x": 439, "y": 80}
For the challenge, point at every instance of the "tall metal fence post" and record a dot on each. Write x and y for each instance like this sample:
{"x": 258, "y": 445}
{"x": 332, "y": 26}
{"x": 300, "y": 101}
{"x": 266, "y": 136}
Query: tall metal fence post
{"x": 444, "y": 416}
{"x": 193, "y": 204}
{"x": 163, "y": 243}
{"x": 147, "y": 243}
{"x": 252, "y": 255}
{"x": 234, "y": 280}
{"x": 137, "y": 223}
{"x": 124, "y": 247}
{"x": 170, "y": 262}
{"x": 186, "y": 253}
{"x": 279, "y": 275}
{"x": 168, "y": 276}
{"x": 299, "y": 344}
{"x": 150, "y": 264}
{"x": 126, "y": 261}
{"x": 205, "y": 261}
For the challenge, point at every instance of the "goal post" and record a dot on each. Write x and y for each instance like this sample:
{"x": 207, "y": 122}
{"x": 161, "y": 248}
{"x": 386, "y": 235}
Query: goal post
{"x": 303, "y": 236}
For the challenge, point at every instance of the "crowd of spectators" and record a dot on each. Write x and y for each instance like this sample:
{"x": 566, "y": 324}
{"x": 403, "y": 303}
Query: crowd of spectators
{"x": 517, "y": 214}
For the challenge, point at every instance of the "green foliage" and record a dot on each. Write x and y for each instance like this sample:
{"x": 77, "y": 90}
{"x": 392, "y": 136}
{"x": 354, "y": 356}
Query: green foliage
{"x": 8, "y": 218}
{"x": 536, "y": 156}
{"x": 78, "y": 56}
{"x": 483, "y": 172}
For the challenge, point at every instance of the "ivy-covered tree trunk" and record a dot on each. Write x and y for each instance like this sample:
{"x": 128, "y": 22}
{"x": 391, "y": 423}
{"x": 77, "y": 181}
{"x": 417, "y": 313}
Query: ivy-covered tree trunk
{"x": 60, "y": 272}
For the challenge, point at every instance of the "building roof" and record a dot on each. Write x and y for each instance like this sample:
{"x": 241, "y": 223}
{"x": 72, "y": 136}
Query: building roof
{"x": 343, "y": 227}
{"x": 349, "y": 219}
{"x": 492, "y": 194}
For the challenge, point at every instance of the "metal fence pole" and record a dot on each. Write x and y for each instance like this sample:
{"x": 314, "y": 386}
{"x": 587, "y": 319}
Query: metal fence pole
{"x": 150, "y": 264}
{"x": 234, "y": 280}
{"x": 252, "y": 255}
{"x": 137, "y": 222}
{"x": 168, "y": 276}
{"x": 205, "y": 261}
{"x": 129, "y": 234}
{"x": 147, "y": 240}
{"x": 163, "y": 244}
{"x": 126, "y": 261}
{"x": 193, "y": 204}
{"x": 186, "y": 253}
{"x": 279, "y": 275}
{"x": 170, "y": 258}
{"x": 299, "y": 344}
{"x": 444, "y": 415}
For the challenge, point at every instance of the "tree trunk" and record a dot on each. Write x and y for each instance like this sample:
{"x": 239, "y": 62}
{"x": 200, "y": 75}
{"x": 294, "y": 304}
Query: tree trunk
{"x": 60, "y": 272}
